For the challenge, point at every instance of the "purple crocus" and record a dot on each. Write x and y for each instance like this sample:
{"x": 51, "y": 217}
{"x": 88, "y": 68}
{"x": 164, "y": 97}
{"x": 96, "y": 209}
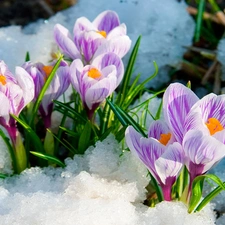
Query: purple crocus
{"x": 163, "y": 161}
{"x": 90, "y": 39}
{"x": 208, "y": 115}
{"x": 97, "y": 81}
{"x": 202, "y": 151}
{"x": 15, "y": 93}
{"x": 177, "y": 102}
{"x": 39, "y": 73}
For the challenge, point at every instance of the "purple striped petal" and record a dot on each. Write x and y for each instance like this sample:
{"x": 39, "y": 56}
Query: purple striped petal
{"x": 157, "y": 128}
{"x": 65, "y": 43}
{"x": 121, "y": 30}
{"x": 106, "y": 21}
{"x": 119, "y": 46}
{"x": 177, "y": 102}
{"x": 57, "y": 87}
{"x": 99, "y": 91}
{"x": 26, "y": 83}
{"x": 148, "y": 150}
{"x": 82, "y": 24}
{"x": 109, "y": 59}
{"x": 170, "y": 163}
{"x": 201, "y": 151}
{"x": 89, "y": 42}
{"x": 4, "y": 111}
{"x": 210, "y": 106}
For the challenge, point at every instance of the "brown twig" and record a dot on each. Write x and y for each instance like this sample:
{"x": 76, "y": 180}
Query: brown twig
{"x": 219, "y": 17}
{"x": 209, "y": 72}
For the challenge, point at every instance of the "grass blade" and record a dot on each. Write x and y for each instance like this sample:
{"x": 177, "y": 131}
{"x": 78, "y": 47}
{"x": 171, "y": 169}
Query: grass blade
{"x": 49, "y": 158}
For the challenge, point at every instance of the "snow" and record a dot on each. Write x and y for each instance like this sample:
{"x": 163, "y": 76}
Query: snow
{"x": 85, "y": 192}
{"x": 103, "y": 186}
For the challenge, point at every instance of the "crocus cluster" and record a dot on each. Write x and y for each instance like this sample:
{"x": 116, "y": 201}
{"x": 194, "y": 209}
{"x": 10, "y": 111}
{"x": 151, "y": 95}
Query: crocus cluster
{"x": 96, "y": 49}
{"x": 191, "y": 134}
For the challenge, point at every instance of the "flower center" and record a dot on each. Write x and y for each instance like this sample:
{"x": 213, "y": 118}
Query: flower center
{"x": 94, "y": 73}
{"x": 164, "y": 138}
{"x": 214, "y": 125}
{"x": 47, "y": 70}
{"x": 103, "y": 33}
{"x": 2, "y": 79}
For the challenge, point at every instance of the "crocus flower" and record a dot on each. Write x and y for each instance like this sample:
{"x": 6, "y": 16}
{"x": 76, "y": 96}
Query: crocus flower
{"x": 15, "y": 93}
{"x": 39, "y": 73}
{"x": 177, "y": 102}
{"x": 90, "y": 39}
{"x": 202, "y": 151}
{"x": 208, "y": 115}
{"x": 97, "y": 81}
{"x": 163, "y": 161}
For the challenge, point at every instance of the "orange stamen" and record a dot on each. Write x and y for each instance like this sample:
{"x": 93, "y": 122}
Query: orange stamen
{"x": 47, "y": 70}
{"x": 164, "y": 138}
{"x": 103, "y": 33}
{"x": 2, "y": 80}
{"x": 213, "y": 125}
{"x": 94, "y": 73}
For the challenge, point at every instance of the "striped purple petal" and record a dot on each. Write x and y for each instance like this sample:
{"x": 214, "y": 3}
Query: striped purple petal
{"x": 177, "y": 102}
{"x": 170, "y": 163}
{"x": 201, "y": 151}
{"x": 120, "y": 46}
{"x": 65, "y": 42}
{"x": 106, "y": 21}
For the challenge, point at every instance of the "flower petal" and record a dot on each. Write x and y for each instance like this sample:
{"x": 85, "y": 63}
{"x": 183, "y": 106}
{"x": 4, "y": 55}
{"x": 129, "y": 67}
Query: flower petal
{"x": 4, "y": 111}
{"x": 119, "y": 46}
{"x": 89, "y": 42}
{"x": 148, "y": 150}
{"x": 169, "y": 164}
{"x": 157, "y": 128}
{"x": 108, "y": 59}
{"x": 26, "y": 83}
{"x": 99, "y": 91}
{"x": 106, "y": 21}
{"x": 65, "y": 43}
{"x": 177, "y": 102}
{"x": 83, "y": 24}
{"x": 117, "y": 31}
{"x": 201, "y": 149}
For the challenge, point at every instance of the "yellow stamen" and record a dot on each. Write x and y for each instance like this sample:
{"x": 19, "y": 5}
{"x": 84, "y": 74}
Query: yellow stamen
{"x": 103, "y": 33}
{"x": 2, "y": 79}
{"x": 164, "y": 138}
{"x": 214, "y": 125}
{"x": 94, "y": 73}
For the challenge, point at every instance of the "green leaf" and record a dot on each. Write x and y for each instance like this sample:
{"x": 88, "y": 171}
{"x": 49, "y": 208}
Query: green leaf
{"x": 122, "y": 94}
{"x": 3, "y": 176}
{"x": 85, "y": 137}
{"x": 125, "y": 118}
{"x": 201, "y": 8}
{"x": 71, "y": 112}
{"x": 197, "y": 187}
{"x": 43, "y": 90}
{"x": 33, "y": 136}
{"x": 27, "y": 58}
{"x": 49, "y": 158}
{"x": 118, "y": 115}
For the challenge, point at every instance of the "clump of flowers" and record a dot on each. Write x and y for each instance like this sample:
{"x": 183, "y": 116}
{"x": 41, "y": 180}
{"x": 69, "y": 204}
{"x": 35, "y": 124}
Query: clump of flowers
{"x": 179, "y": 148}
